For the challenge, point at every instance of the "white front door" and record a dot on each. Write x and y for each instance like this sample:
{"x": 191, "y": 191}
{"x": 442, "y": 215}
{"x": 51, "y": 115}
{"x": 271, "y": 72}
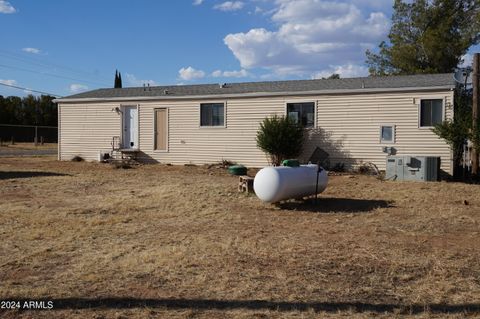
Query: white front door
{"x": 130, "y": 127}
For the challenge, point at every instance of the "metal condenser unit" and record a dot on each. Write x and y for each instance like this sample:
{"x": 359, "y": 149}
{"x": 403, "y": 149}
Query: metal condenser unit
{"x": 413, "y": 168}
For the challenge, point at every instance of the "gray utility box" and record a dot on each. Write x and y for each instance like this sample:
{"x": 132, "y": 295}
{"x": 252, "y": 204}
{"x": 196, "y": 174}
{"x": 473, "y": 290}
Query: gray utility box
{"x": 413, "y": 168}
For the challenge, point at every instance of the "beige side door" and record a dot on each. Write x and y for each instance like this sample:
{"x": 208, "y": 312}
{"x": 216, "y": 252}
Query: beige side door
{"x": 161, "y": 130}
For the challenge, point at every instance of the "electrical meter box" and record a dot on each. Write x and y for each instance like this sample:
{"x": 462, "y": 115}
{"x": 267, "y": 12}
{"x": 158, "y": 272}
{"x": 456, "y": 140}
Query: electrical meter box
{"x": 413, "y": 168}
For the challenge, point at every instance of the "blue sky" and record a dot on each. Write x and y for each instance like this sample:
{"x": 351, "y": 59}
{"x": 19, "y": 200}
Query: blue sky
{"x": 65, "y": 47}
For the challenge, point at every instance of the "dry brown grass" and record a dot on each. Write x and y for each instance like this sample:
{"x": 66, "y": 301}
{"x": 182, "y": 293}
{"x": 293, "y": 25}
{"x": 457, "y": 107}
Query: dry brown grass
{"x": 167, "y": 241}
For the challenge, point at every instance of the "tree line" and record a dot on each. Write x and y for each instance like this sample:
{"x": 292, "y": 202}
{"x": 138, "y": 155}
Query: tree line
{"x": 34, "y": 110}
{"x": 28, "y": 110}
{"x": 427, "y": 36}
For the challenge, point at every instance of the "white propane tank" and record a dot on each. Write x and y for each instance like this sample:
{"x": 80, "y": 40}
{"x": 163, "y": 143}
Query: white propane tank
{"x": 273, "y": 184}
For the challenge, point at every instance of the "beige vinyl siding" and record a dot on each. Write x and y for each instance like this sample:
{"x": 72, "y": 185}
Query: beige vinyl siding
{"x": 352, "y": 125}
{"x": 347, "y": 126}
{"x": 59, "y": 134}
{"x": 191, "y": 143}
{"x": 87, "y": 129}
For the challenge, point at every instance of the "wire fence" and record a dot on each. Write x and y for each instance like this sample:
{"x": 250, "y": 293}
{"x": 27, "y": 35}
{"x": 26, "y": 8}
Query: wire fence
{"x": 10, "y": 134}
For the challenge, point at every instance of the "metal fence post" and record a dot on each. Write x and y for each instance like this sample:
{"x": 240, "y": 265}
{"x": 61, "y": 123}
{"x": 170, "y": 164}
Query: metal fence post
{"x": 35, "y": 140}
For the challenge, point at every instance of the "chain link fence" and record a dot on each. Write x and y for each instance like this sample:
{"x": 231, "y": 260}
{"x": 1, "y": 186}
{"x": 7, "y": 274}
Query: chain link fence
{"x": 10, "y": 134}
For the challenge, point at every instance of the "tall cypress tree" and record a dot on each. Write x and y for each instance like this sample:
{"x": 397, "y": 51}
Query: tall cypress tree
{"x": 118, "y": 82}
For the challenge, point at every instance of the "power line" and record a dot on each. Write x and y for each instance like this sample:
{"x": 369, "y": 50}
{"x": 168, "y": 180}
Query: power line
{"x": 26, "y": 89}
{"x": 39, "y": 62}
{"x": 49, "y": 74}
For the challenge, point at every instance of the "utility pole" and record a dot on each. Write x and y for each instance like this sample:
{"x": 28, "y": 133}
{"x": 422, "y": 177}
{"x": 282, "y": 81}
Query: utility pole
{"x": 475, "y": 108}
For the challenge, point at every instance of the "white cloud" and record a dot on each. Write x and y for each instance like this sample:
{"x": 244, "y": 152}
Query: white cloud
{"x": 258, "y": 10}
{"x": 190, "y": 73}
{"x": 345, "y": 71}
{"x": 230, "y": 74}
{"x": 251, "y": 48}
{"x": 8, "y": 82}
{"x": 311, "y": 36}
{"x": 15, "y": 83}
{"x": 6, "y": 7}
{"x": 132, "y": 80}
{"x": 197, "y": 2}
{"x": 217, "y": 73}
{"x": 31, "y": 50}
{"x": 383, "y": 5}
{"x": 229, "y": 6}
{"x": 77, "y": 88}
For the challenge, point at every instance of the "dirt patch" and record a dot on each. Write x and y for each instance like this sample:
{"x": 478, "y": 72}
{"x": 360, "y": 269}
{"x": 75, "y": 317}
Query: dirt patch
{"x": 181, "y": 242}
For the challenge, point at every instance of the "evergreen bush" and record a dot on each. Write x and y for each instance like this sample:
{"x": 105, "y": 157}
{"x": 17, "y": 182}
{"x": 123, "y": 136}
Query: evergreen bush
{"x": 281, "y": 137}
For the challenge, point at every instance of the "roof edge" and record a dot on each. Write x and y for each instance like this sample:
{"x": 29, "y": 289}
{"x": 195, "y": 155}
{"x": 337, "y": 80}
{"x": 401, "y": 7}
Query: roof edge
{"x": 255, "y": 94}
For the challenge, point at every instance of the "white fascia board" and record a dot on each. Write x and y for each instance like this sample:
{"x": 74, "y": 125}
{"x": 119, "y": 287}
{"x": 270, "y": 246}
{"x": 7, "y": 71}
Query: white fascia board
{"x": 256, "y": 94}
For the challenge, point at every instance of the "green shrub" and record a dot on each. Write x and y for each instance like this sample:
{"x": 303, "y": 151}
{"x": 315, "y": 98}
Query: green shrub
{"x": 280, "y": 137}
{"x": 456, "y": 132}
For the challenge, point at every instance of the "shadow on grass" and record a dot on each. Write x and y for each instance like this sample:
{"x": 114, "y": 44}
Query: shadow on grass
{"x": 212, "y": 304}
{"x": 27, "y": 174}
{"x": 339, "y": 205}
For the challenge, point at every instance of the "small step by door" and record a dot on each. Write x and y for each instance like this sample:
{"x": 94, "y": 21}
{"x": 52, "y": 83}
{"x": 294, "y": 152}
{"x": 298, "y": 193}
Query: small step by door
{"x": 130, "y": 127}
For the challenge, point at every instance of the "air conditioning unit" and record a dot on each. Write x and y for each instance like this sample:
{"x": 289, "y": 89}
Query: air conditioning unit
{"x": 413, "y": 168}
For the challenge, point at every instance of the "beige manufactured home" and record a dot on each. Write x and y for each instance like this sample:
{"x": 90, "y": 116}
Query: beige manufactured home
{"x": 352, "y": 120}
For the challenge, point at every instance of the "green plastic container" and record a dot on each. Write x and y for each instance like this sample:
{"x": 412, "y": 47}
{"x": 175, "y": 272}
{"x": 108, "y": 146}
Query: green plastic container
{"x": 237, "y": 170}
{"x": 291, "y": 163}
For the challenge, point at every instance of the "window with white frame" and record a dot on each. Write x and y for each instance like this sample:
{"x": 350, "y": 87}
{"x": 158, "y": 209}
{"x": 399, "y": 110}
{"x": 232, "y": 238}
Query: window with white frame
{"x": 431, "y": 112}
{"x": 212, "y": 114}
{"x": 303, "y": 113}
{"x": 387, "y": 133}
